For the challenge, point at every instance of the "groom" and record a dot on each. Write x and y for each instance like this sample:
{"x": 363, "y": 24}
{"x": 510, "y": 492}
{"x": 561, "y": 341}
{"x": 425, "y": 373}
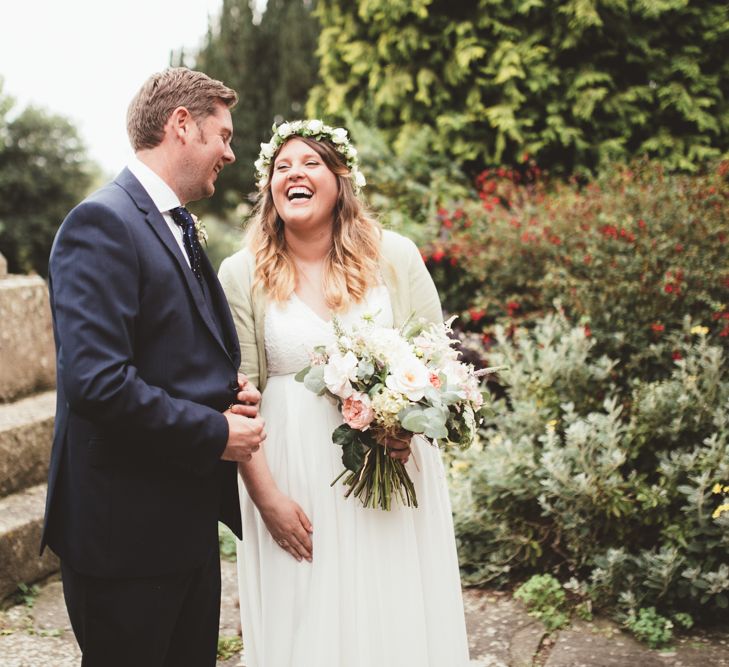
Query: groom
{"x": 146, "y": 435}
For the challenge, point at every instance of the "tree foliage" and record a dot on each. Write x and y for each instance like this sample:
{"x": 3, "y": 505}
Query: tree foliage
{"x": 272, "y": 66}
{"x": 572, "y": 83}
{"x": 44, "y": 172}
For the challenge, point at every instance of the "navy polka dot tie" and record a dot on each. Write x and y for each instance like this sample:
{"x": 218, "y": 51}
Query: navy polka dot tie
{"x": 183, "y": 219}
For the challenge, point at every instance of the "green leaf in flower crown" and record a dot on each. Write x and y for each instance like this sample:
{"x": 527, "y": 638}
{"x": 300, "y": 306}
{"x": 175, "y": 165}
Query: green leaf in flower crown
{"x": 314, "y": 380}
{"x": 299, "y": 377}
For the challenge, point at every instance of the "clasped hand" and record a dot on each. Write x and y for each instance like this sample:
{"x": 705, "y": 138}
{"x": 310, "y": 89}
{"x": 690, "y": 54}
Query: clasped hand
{"x": 245, "y": 428}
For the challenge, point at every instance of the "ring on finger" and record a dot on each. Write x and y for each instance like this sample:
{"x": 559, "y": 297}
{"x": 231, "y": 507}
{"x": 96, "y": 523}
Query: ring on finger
{"x": 282, "y": 543}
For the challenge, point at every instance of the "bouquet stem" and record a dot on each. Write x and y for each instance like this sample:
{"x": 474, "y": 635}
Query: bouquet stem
{"x": 379, "y": 480}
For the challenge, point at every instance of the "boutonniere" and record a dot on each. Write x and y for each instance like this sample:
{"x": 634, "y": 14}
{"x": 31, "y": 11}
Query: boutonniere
{"x": 200, "y": 231}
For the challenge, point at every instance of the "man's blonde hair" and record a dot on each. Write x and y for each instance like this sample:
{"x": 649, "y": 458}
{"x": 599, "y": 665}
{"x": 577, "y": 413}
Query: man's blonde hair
{"x": 351, "y": 267}
{"x": 162, "y": 93}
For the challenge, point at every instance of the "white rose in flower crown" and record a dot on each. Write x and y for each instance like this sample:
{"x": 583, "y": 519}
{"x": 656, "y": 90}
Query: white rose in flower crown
{"x": 314, "y": 126}
{"x": 284, "y": 130}
{"x": 339, "y": 135}
{"x": 359, "y": 179}
{"x": 267, "y": 150}
{"x": 409, "y": 377}
{"x": 339, "y": 373}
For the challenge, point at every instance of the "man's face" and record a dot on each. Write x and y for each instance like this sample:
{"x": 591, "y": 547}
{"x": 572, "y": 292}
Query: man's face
{"x": 206, "y": 153}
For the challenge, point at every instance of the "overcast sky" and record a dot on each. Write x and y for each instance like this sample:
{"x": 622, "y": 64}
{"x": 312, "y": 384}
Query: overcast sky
{"x": 85, "y": 59}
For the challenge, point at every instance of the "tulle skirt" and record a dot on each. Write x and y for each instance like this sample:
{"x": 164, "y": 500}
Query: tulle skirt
{"x": 383, "y": 589}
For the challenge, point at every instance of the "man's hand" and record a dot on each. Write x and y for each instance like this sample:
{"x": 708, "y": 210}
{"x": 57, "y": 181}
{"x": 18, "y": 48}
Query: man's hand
{"x": 245, "y": 436}
{"x": 248, "y": 397}
{"x": 398, "y": 446}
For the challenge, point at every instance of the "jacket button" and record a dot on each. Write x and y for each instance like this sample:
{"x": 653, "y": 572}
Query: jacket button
{"x": 234, "y": 385}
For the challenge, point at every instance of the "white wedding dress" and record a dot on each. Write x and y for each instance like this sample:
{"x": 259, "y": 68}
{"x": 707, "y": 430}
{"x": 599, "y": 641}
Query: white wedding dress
{"x": 383, "y": 589}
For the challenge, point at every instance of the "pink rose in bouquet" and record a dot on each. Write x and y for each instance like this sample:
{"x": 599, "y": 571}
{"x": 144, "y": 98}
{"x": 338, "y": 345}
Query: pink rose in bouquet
{"x": 357, "y": 411}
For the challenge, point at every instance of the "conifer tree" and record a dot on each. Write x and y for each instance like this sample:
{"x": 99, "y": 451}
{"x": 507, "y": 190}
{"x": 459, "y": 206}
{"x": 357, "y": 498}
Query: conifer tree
{"x": 271, "y": 64}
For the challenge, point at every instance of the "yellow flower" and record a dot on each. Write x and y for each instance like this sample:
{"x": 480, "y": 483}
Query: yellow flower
{"x": 460, "y": 466}
{"x": 699, "y": 330}
{"x": 720, "y": 510}
{"x": 717, "y": 488}
{"x": 551, "y": 424}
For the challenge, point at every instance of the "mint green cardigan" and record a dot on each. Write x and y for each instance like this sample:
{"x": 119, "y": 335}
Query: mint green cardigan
{"x": 408, "y": 282}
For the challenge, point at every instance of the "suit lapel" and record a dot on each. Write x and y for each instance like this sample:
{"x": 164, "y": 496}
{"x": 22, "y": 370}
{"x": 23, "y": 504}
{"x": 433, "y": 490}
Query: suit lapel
{"x": 155, "y": 220}
{"x": 222, "y": 308}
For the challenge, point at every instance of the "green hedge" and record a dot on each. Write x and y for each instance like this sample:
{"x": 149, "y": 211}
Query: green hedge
{"x": 574, "y": 83}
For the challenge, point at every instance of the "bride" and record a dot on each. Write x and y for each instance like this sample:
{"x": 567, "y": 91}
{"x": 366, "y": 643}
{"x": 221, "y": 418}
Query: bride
{"x": 325, "y": 582}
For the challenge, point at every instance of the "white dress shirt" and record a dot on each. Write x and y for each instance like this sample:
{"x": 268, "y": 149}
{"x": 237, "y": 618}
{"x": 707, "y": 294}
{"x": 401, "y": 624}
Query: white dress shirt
{"x": 162, "y": 196}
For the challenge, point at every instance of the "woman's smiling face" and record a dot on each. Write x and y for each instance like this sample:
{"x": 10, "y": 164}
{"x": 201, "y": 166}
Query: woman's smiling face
{"x": 303, "y": 188}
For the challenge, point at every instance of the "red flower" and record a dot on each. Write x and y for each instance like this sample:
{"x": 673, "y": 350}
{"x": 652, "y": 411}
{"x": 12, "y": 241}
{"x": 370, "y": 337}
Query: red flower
{"x": 641, "y": 223}
{"x": 679, "y": 247}
{"x": 588, "y": 331}
{"x": 511, "y": 308}
{"x": 668, "y": 288}
{"x": 447, "y": 223}
{"x": 454, "y": 261}
{"x": 438, "y": 255}
{"x": 657, "y": 327}
{"x": 676, "y": 355}
{"x": 476, "y": 314}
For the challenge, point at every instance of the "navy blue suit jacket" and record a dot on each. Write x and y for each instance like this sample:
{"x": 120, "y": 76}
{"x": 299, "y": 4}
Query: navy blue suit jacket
{"x": 146, "y": 365}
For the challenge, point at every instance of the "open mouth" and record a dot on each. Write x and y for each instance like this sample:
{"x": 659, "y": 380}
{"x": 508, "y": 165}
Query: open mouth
{"x": 299, "y": 192}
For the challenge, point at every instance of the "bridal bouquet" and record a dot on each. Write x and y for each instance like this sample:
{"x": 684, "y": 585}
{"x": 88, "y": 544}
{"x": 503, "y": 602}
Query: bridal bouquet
{"x": 391, "y": 384}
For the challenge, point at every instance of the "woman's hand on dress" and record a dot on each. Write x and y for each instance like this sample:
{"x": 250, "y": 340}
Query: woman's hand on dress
{"x": 288, "y": 525}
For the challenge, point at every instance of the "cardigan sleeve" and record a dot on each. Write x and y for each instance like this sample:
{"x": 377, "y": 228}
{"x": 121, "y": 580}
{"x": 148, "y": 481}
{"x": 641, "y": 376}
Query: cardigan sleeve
{"x": 235, "y": 277}
{"x": 424, "y": 297}
{"x": 412, "y": 291}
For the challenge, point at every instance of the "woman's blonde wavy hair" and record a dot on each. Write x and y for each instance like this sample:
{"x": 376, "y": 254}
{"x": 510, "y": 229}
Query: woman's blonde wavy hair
{"x": 352, "y": 265}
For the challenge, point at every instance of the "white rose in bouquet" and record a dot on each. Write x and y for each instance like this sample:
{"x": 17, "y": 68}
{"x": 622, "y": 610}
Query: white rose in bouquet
{"x": 410, "y": 377}
{"x": 339, "y": 373}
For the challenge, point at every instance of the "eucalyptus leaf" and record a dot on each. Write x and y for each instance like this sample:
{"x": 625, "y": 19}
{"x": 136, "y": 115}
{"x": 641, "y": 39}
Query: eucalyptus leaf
{"x": 301, "y": 375}
{"x": 314, "y": 380}
{"x": 415, "y": 420}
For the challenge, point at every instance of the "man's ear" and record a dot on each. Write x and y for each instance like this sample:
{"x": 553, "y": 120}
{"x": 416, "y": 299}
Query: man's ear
{"x": 180, "y": 123}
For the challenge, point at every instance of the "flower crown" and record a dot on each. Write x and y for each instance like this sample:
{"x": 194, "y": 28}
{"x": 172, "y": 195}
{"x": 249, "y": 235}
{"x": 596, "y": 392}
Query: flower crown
{"x": 313, "y": 129}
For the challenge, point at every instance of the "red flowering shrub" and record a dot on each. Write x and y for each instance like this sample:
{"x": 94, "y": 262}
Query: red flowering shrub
{"x": 633, "y": 256}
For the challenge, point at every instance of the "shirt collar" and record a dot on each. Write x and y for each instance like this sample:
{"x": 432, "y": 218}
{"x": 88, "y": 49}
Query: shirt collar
{"x": 159, "y": 192}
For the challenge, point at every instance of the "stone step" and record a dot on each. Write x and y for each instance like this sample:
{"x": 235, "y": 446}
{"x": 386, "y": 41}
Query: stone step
{"x": 27, "y": 355}
{"x": 21, "y": 522}
{"x": 26, "y": 432}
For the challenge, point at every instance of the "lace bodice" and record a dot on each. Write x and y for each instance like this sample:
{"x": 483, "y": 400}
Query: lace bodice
{"x": 293, "y": 329}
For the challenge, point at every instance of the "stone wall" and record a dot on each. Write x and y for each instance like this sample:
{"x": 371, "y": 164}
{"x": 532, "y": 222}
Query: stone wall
{"x": 27, "y": 408}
